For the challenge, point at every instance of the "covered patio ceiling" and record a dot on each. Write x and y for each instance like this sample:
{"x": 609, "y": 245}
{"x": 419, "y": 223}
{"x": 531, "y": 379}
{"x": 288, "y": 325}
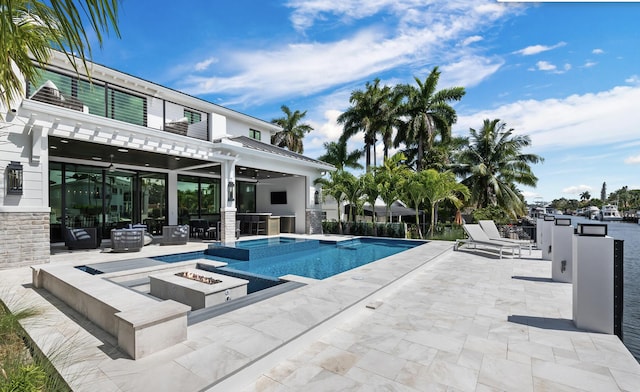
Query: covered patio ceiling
{"x": 101, "y": 154}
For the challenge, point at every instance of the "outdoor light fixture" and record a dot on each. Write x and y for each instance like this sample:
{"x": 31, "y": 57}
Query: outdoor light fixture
{"x": 592, "y": 229}
{"x": 14, "y": 178}
{"x": 112, "y": 167}
{"x": 563, "y": 221}
{"x": 230, "y": 187}
{"x": 316, "y": 197}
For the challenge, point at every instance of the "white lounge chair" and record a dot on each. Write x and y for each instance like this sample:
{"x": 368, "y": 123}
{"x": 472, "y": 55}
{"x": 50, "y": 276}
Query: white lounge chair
{"x": 493, "y": 233}
{"x": 477, "y": 236}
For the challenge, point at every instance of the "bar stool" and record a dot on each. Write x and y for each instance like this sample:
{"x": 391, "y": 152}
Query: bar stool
{"x": 258, "y": 226}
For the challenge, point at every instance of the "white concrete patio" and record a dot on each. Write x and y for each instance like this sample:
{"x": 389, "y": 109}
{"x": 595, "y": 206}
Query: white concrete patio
{"x": 426, "y": 319}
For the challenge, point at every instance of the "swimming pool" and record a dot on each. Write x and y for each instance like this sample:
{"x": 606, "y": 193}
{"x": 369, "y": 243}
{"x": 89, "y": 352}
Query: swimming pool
{"x": 320, "y": 261}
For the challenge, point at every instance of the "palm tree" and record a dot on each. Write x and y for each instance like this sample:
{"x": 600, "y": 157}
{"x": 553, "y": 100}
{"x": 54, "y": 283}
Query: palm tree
{"x": 353, "y": 192}
{"x": 439, "y": 187}
{"x": 391, "y": 177}
{"x": 292, "y": 131}
{"x": 428, "y": 113}
{"x": 492, "y": 163}
{"x": 334, "y": 187}
{"x": 585, "y": 196}
{"x": 31, "y": 28}
{"x": 366, "y": 115}
{"x": 338, "y": 156}
{"x": 371, "y": 190}
{"x": 413, "y": 194}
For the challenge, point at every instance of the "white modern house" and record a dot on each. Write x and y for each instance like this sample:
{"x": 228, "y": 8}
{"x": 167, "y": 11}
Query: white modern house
{"x": 117, "y": 149}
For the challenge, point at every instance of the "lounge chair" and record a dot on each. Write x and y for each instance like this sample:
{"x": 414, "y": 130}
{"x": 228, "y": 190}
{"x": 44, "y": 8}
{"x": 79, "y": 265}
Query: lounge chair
{"x": 493, "y": 233}
{"x": 477, "y": 236}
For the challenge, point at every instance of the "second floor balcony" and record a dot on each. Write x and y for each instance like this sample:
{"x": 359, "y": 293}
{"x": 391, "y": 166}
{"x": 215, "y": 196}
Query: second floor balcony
{"x": 118, "y": 103}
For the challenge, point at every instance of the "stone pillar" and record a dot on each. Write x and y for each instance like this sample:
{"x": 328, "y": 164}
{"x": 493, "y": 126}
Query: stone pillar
{"x": 24, "y": 237}
{"x": 228, "y": 197}
{"x": 313, "y": 221}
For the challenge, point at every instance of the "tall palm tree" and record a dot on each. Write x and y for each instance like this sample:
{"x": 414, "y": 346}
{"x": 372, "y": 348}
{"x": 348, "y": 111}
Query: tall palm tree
{"x": 334, "y": 186}
{"x": 371, "y": 189}
{"x": 366, "y": 115}
{"x": 337, "y": 155}
{"x": 292, "y": 130}
{"x": 428, "y": 113}
{"x": 492, "y": 164}
{"x": 31, "y": 28}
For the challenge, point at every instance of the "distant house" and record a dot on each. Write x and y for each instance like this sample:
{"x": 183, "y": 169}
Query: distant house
{"x": 119, "y": 149}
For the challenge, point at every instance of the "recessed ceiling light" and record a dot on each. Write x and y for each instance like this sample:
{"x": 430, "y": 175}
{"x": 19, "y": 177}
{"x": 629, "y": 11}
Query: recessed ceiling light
{"x": 146, "y": 164}
{"x": 123, "y": 150}
{"x": 54, "y": 147}
{"x": 177, "y": 158}
{"x": 64, "y": 141}
{"x": 96, "y": 158}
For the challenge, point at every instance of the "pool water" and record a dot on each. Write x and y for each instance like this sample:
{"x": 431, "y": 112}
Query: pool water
{"x": 326, "y": 259}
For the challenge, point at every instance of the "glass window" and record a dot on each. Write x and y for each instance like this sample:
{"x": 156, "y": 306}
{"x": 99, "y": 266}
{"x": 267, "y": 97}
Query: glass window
{"x": 62, "y": 82}
{"x": 187, "y": 198}
{"x": 92, "y": 96}
{"x": 198, "y": 198}
{"x": 193, "y": 117}
{"x": 55, "y": 201}
{"x": 253, "y": 134}
{"x": 119, "y": 198}
{"x": 153, "y": 193}
{"x": 246, "y": 196}
{"x": 83, "y": 196}
{"x": 127, "y": 107}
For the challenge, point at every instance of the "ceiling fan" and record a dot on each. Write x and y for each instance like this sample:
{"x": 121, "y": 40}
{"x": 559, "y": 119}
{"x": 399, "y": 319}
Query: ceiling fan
{"x": 112, "y": 167}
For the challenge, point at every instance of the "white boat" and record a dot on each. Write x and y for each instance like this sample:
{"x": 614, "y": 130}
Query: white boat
{"x": 609, "y": 212}
{"x": 592, "y": 212}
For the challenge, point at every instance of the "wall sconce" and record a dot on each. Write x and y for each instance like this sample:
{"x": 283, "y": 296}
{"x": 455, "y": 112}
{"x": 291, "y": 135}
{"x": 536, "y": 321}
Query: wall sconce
{"x": 316, "y": 197}
{"x": 14, "y": 178}
{"x": 230, "y": 187}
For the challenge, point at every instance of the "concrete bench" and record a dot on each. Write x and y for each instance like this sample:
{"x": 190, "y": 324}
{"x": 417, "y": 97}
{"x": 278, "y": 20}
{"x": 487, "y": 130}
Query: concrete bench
{"x": 141, "y": 324}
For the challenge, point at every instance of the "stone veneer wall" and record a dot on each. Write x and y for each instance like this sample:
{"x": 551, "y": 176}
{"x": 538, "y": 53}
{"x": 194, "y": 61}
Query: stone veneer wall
{"x": 314, "y": 222}
{"x": 24, "y": 239}
{"x": 228, "y": 231}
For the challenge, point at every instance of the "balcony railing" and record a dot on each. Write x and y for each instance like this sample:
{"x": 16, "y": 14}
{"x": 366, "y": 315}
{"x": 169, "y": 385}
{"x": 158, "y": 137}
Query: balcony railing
{"x": 106, "y": 100}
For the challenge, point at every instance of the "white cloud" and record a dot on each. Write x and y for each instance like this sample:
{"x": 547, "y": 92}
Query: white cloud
{"x": 255, "y": 76}
{"x": 597, "y": 51}
{"x": 570, "y": 122}
{"x": 546, "y": 66}
{"x": 634, "y": 160}
{"x": 472, "y": 39}
{"x": 633, "y": 79}
{"x": 589, "y": 64}
{"x": 535, "y": 49}
{"x": 577, "y": 189}
{"x": 204, "y": 64}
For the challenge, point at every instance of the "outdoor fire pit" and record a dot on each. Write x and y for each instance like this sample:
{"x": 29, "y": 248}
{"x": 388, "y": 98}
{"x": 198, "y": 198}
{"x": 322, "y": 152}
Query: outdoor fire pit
{"x": 197, "y": 288}
{"x": 199, "y": 278}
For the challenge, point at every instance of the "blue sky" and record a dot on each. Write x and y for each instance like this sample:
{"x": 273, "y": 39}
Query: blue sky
{"x": 566, "y": 74}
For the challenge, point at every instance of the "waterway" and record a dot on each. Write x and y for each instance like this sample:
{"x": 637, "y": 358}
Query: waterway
{"x": 630, "y": 233}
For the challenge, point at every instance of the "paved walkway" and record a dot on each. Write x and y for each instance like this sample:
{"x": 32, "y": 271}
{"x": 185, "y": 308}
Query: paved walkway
{"x": 427, "y": 319}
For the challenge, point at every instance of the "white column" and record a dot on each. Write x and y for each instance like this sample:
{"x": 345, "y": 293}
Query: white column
{"x": 172, "y": 198}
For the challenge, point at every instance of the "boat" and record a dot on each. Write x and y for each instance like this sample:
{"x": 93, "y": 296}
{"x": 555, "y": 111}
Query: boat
{"x": 592, "y": 212}
{"x": 609, "y": 212}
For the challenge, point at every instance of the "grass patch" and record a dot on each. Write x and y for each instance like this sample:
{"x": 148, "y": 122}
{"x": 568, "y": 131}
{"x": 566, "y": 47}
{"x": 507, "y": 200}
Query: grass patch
{"x": 22, "y": 367}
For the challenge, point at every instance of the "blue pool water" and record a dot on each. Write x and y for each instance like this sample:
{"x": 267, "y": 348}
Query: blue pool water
{"x": 325, "y": 259}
